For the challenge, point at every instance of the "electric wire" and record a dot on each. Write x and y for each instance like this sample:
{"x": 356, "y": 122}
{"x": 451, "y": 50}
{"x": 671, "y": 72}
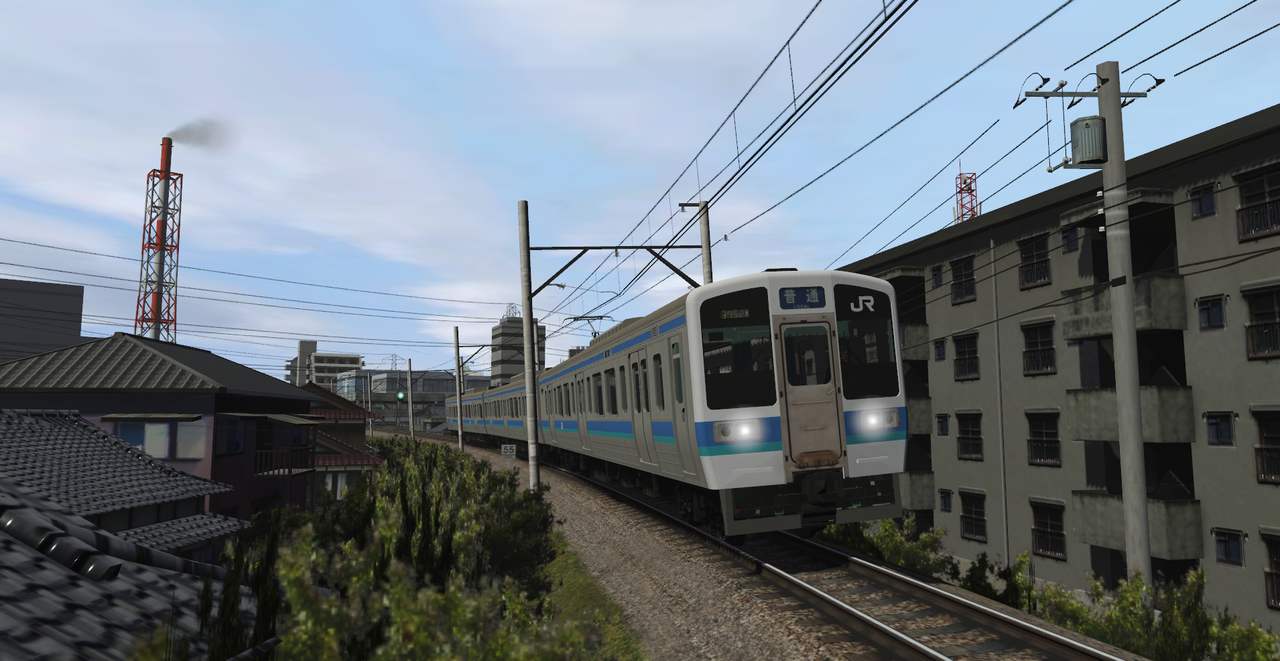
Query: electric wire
{"x": 1191, "y": 35}
{"x": 1277, "y": 25}
{"x": 1122, "y": 34}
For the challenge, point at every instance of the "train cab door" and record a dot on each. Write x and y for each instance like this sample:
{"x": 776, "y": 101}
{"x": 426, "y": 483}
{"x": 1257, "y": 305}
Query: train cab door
{"x": 641, "y": 401}
{"x": 580, "y": 410}
{"x": 813, "y": 416}
{"x": 679, "y": 407}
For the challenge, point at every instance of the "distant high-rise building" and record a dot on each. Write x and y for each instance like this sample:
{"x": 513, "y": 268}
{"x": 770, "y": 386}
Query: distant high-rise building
{"x": 508, "y": 350}
{"x": 576, "y": 350}
{"x": 319, "y": 368}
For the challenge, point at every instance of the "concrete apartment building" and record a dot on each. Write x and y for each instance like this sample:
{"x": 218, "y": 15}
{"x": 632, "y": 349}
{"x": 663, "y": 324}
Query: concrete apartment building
{"x": 1010, "y": 380}
{"x": 321, "y": 369}
{"x": 508, "y": 350}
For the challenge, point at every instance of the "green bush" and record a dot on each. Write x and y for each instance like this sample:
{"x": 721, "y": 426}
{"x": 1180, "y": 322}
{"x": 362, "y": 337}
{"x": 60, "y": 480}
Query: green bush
{"x": 897, "y": 546}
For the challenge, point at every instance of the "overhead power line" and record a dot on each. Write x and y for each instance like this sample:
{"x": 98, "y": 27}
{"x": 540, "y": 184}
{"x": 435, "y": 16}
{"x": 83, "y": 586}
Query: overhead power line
{"x": 1122, "y": 34}
{"x": 1191, "y": 35}
{"x": 1277, "y": 25}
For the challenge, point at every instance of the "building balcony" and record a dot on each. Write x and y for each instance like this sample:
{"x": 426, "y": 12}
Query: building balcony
{"x": 915, "y": 342}
{"x": 1159, "y": 304}
{"x": 1174, "y": 526}
{"x": 1263, "y": 340}
{"x": 919, "y": 415}
{"x": 916, "y": 490}
{"x": 282, "y": 463}
{"x": 1254, "y": 221}
{"x": 1268, "y": 460}
{"x": 1034, "y": 274}
{"x": 1167, "y": 415}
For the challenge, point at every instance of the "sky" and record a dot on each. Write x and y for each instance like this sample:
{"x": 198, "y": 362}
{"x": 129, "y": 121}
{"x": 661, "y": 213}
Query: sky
{"x": 384, "y": 147}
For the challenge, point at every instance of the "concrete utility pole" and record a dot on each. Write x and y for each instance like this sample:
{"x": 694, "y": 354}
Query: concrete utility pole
{"x": 704, "y": 222}
{"x": 409, "y": 394}
{"x": 1115, "y": 200}
{"x": 530, "y": 379}
{"x": 457, "y": 383}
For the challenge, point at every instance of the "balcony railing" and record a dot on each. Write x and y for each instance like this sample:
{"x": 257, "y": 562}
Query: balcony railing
{"x": 966, "y": 368}
{"x": 969, "y": 447}
{"x": 283, "y": 462}
{"x": 1268, "y": 464}
{"x": 1255, "y": 221}
{"x": 1039, "y": 361}
{"x": 1043, "y": 452}
{"x": 1049, "y": 543}
{"x": 1034, "y": 274}
{"x": 973, "y": 527}
{"x": 1263, "y": 339}
{"x": 1272, "y": 578}
{"x": 963, "y": 291}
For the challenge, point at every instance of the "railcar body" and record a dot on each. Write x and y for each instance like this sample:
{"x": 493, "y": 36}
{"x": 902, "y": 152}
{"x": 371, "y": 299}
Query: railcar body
{"x": 770, "y": 401}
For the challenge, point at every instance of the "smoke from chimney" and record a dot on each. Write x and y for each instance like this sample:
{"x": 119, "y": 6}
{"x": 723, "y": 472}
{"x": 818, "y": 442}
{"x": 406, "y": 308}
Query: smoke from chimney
{"x": 206, "y": 133}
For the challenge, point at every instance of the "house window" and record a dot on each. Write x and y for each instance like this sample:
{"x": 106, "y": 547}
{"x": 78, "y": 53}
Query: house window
{"x": 150, "y": 437}
{"x": 1043, "y": 445}
{"x": 233, "y": 436}
{"x": 937, "y": 276}
{"x": 966, "y": 362}
{"x": 1070, "y": 240}
{"x": 1259, "y": 216}
{"x": 1267, "y": 454}
{"x": 969, "y": 440}
{"x": 964, "y": 287}
{"x": 1229, "y": 547}
{"x": 944, "y": 496}
{"x": 944, "y": 424}
{"x": 1219, "y": 428}
{"x": 1202, "y": 202}
{"x": 1271, "y": 573}
{"x": 1034, "y": 270}
{"x": 973, "y": 516}
{"x": 1038, "y": 357}
{"x": 1210, "y": 312}
{"x": 939, "y": 350}
{"x": 1263, "y": 332}
{"x": 1048, "y": 535}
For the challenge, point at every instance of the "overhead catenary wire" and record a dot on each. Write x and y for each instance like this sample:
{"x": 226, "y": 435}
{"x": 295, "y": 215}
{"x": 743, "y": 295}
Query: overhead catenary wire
{"x": 1190, "y": 35}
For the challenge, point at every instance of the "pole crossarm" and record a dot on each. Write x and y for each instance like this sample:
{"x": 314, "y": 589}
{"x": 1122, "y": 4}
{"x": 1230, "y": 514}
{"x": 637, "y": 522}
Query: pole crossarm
{"x": 1072, "y": 95}
{"x": 673, "y": 267}
{"x": 583, "y": 250}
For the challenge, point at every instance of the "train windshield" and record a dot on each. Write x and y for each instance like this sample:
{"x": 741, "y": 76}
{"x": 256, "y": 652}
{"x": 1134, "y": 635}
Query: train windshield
{"x": 868, "y": 355}
{"x": 737, "y": 353}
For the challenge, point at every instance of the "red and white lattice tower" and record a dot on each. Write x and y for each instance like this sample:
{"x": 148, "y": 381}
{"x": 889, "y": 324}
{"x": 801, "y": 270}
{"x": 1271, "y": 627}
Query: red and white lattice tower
{"x": 157, "y": 314}
{"x": 966, "y": 197}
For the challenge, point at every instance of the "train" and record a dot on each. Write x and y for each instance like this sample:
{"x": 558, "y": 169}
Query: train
{"x": 763, "y": 402}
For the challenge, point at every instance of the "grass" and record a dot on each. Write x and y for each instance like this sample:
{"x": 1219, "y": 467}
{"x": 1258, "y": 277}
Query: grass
{"x": 581, "y": 598}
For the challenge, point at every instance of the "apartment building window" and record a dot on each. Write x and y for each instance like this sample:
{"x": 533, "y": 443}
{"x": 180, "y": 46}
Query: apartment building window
{"x": 944, "y": 500}
{"x": 1218, "y": 426}
{"x": 1070, "y": 240}
{"x": 1259, "y": 215}
{"x": 1230, "y": 549}
{"x": 969, "y": 439}
{"x": 964, "y": 286}
{"x": 973, "y": 516}
{"x": 936, "y": 272}
{"x": 1034, "y": 270}
{"x": 966, "y": 362}
{"x": 1263, "y": 332}
{"x": 1038, "y": 356}
{"x": 1202, "y": 203}
{"x": 1267, "y": 454}
{"x": 1043, "y": 446}
{"x": 1210, "y": 308}
{"x": 944, "y": 424}
{"x": 939, "y": 350}
{"x": 1048, "y": 536}
{"x": 1271, "y": 573}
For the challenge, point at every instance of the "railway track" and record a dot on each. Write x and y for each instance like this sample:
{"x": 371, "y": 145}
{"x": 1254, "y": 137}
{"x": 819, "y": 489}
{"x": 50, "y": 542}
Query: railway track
{"x": 860, "y": 608}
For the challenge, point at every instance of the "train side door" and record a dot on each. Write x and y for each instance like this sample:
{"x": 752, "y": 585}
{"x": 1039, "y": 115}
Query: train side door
{"x": 580, "y": 410}
{"x": 641, "y": 417}
{"x": 679, "y": 407}
{"x": 812, "y": 417}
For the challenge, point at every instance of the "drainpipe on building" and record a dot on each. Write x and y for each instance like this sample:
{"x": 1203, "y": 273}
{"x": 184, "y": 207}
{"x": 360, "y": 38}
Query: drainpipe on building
{"x": 1004, "y": 475}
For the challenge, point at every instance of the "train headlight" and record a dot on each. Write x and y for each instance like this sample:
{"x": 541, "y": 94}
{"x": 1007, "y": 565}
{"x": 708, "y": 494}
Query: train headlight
{"x": 735, "y": 431}
{"x": 880, "y": 419}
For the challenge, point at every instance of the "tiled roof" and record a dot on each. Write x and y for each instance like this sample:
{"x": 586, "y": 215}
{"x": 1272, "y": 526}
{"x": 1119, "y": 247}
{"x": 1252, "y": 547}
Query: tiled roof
{"x": 49, "y": 612}
{"x": 131, "y": 363}
{"x": 67, "y": 459}
{"x": 173, "y": 535}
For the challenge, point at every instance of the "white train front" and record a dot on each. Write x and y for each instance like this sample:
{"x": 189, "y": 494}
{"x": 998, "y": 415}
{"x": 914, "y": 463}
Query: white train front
{"x": 770, "y": 401}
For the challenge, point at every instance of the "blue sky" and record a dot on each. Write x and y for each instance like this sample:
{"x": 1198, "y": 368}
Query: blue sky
{"x": 384, "y": 147}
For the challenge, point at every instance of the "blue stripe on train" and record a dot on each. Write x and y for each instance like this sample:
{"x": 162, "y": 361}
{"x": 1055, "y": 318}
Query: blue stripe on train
{"x": 770, "y": 439}
{"x": 854, "y": 434}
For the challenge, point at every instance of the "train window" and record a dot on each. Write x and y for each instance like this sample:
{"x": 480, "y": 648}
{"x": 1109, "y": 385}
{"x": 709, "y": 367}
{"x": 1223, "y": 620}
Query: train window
{"x": 583, "y": 404}
{"x": 611, "y": 387}
{"x": 737, "y": 350}
{"x": 657, "y": 381}
{"x": 635, "y": 376}
{"x": 807, "y": 355}
{"x": 622, "y": 387}
{"x": 598, "y": 391}
{"x": 644, "y": 383}
{"x": 865, "y": 332}
{"x": 677, "y": 375}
